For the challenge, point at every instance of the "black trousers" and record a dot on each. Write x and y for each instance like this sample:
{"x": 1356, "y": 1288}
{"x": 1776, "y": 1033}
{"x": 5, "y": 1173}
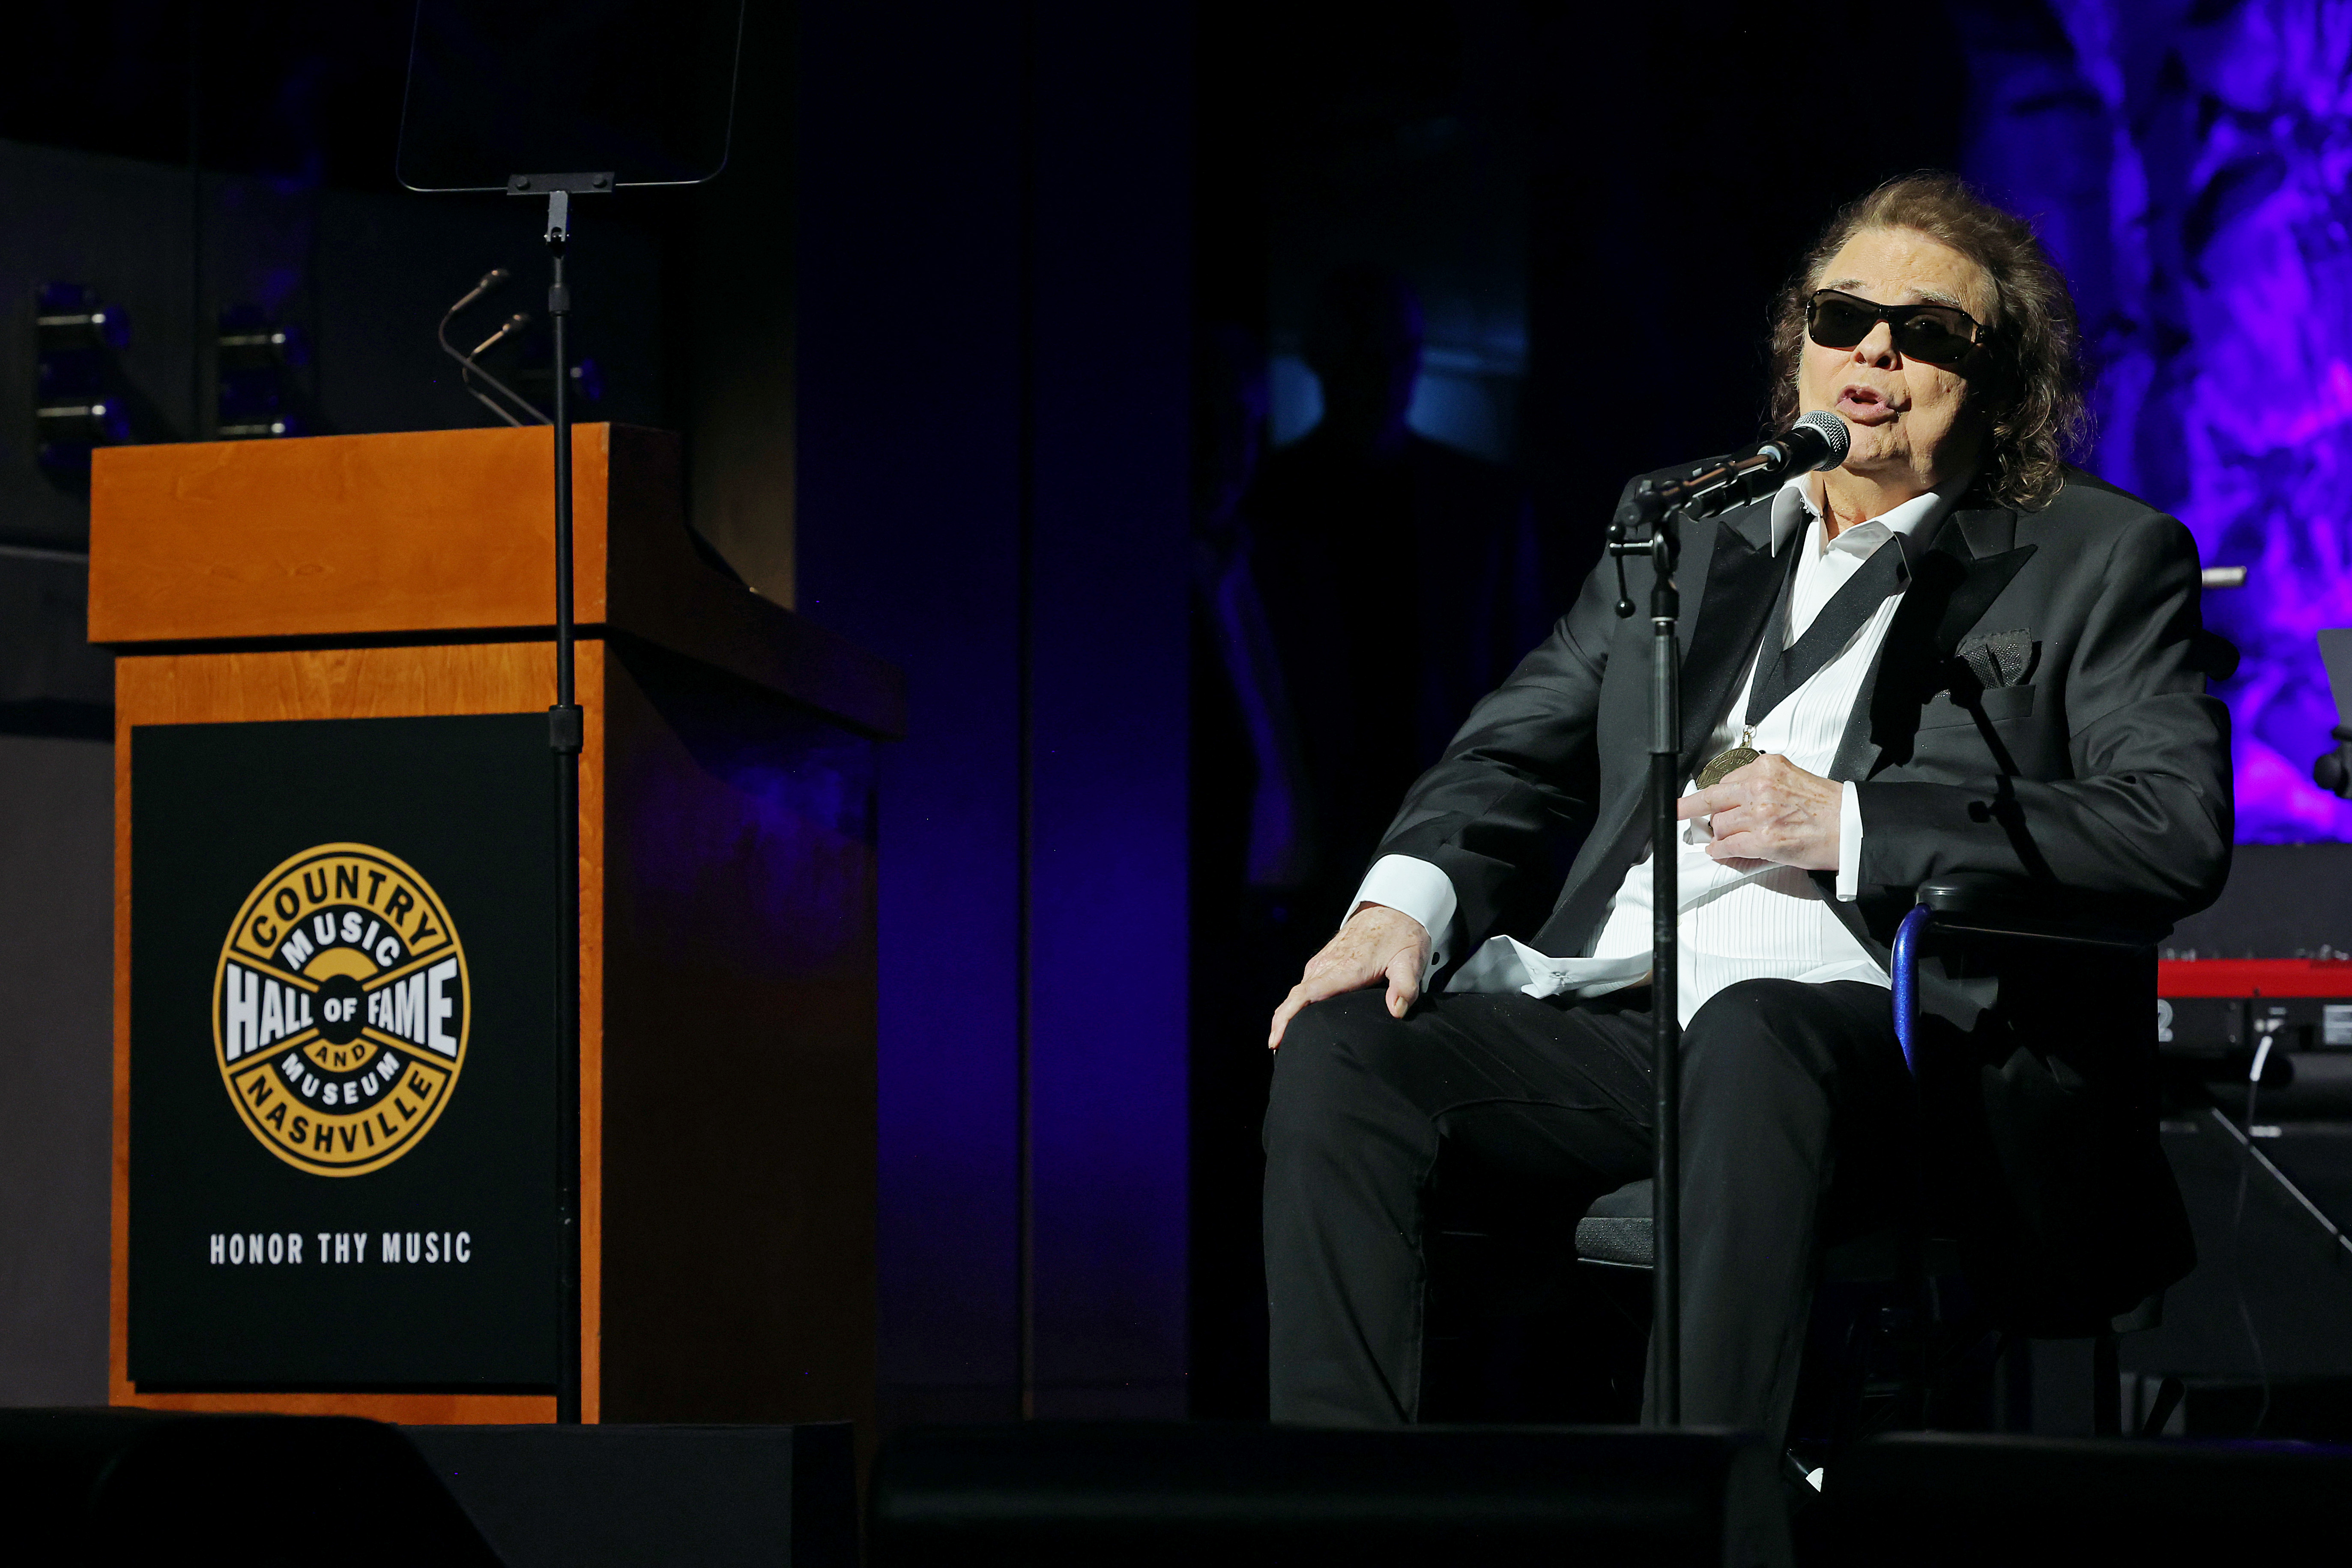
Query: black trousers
{"x": 1789, "y": 1091}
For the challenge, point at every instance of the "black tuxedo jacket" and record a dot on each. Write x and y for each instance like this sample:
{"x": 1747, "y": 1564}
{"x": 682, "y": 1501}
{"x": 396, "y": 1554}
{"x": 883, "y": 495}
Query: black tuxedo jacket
{"x": 2098, "y": 770}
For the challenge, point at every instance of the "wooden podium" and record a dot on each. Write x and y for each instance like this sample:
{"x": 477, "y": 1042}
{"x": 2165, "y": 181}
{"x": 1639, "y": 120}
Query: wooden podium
{"x": 316, "y": 639}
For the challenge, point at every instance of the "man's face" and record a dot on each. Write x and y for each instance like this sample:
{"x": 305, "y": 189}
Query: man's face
{"x": 1911, "y": 421}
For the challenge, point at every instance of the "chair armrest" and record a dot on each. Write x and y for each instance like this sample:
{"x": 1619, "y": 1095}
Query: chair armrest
{"x": 2011, "y": 906}
{"x": 1972, "y": 893}
{"x": 1985, "y": 904}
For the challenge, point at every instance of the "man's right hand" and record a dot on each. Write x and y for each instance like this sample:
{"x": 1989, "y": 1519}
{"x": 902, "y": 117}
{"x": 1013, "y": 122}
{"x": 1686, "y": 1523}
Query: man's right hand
{"x": 1376, "y": 942}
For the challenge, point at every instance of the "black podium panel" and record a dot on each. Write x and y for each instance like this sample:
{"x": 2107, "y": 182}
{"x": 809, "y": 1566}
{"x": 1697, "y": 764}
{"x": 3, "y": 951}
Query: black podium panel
{"x": 342, "y": 1071}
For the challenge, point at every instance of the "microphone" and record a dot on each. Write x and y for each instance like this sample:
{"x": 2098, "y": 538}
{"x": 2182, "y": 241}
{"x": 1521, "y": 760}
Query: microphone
{"x": 512, "y": 324}
{"x": 467, "y": 369}
{"x": 490, "y": 280}
{"x": 1819, "y": 440}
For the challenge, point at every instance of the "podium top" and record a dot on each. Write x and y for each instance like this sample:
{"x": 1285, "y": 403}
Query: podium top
{"x": 439, "y": 536}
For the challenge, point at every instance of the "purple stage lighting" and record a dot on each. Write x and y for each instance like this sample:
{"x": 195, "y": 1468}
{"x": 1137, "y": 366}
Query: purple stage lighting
{"x": 2188, "y": 167}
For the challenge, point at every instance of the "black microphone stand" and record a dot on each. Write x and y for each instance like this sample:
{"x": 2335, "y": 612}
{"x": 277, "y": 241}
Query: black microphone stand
{"x": 1647, "y": 506}
{"x": 566, "y": 733}
{"x": 1658, "y": 504}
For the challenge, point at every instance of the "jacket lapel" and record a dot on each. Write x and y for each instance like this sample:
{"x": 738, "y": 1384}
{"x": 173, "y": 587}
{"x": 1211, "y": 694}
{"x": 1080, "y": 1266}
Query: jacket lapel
{"x": 1742, "y": 585}
{"x": 1955, "y": 578}
{"x": 1732, "y": 562}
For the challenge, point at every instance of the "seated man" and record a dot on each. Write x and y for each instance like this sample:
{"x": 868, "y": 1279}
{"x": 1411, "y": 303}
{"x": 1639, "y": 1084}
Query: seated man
{"x": 1952, "y": 654}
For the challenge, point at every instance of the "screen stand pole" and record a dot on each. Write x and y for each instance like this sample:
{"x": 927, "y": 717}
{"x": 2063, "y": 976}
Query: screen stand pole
{"x": 566, "y": 733}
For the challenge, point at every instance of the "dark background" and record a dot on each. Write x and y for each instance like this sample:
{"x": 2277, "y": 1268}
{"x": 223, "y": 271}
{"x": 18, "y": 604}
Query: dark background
{"x": 216, "y": 806}
{"x": 935, "y": 342}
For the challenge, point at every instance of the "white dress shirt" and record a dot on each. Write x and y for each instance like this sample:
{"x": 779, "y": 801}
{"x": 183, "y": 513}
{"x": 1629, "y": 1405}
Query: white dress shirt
{"x": 1741, "y": 920}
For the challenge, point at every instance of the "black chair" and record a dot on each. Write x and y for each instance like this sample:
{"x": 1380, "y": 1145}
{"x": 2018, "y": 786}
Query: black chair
{"x": 1955, "y": 913}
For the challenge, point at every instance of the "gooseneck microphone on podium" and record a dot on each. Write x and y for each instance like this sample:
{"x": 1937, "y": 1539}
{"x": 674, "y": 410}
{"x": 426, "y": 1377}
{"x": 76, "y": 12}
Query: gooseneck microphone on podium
{"x": 470, "y": 364}
{"x": 1656, "y": 505}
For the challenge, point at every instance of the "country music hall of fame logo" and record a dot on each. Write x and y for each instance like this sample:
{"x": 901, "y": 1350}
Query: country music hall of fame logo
{"x": 341, "y": 1008}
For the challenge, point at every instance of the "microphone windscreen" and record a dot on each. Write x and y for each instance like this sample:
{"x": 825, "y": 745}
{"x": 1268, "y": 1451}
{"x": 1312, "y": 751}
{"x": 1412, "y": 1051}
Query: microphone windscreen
{"x": 1833, "y": 433}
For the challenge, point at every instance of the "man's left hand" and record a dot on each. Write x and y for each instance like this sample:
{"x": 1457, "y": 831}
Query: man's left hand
{"x": 1771, "y": 810}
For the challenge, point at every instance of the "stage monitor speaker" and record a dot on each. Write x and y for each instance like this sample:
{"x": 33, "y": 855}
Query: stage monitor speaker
{"x": 1042, "y": 1495}
{"x": 1928, "y": 1499}
{"x": 609, "y": 1495}
{"x": 120, "y": 1487}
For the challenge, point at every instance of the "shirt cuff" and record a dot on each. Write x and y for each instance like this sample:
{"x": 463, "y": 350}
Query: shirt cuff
{"x": 1849, "y": 872}
{"x": 1414, "y": 888}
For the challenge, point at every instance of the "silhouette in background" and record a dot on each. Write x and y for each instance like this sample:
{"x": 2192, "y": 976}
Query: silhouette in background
{"x": 1278, "y": 846}
{"x": 1400, "y": 583}
{"x": 1355, "y": 592}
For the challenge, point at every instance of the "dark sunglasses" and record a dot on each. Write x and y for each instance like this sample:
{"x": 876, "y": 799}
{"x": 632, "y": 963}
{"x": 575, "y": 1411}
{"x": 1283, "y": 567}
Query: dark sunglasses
{"x": 1937, "y": 335}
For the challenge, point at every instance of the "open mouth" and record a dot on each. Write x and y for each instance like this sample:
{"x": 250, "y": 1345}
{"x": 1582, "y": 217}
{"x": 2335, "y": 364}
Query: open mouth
{"x": 1860, "y": 405}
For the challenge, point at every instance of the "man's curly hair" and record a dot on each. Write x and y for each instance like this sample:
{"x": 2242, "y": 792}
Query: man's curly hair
{"x": 2029, "y": 377}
